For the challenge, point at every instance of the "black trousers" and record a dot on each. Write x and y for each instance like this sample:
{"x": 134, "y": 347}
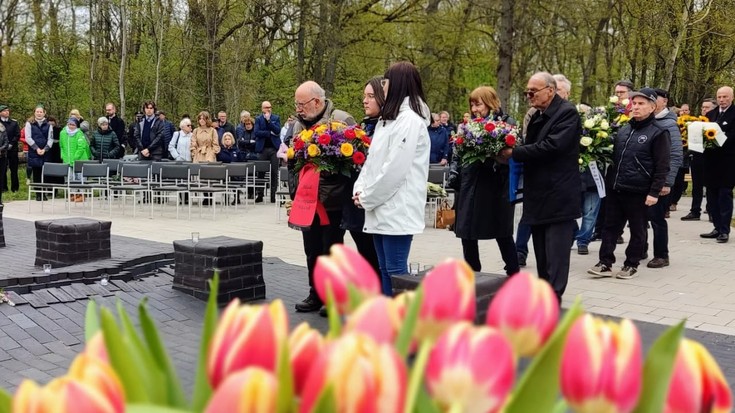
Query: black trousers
{"x": 680, "y": 186}
{"x": 657, "y": 217}
{"x": 3, "y": 171}
{"x": 719, "y": 205}
{"x": 507, "y": 247}
{"x": 552, "y": 244}
{"x": 318, "y": 239}
{"x": 366, "y": 248}
{"x": 10, "y": 162}
{"x": 697, "y": 171}
{"x": 624, "y": 207}
{"x": 270, "y": 154}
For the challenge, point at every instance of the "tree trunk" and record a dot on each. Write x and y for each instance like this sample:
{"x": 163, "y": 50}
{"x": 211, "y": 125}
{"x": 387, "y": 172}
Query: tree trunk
{"x": 589, "y": 72}
{"x": 676, "y": 46}
{"x": 123, "y": 55}
{"x": 505, "y": 51}
{"x": 301, "y": 42}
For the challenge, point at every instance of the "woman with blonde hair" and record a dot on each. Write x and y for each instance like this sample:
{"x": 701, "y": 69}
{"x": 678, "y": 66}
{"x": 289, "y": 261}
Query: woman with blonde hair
{"x": 204, "y": 140}
{"x": 482, "y": 206}
{"x": 245, "y": 137}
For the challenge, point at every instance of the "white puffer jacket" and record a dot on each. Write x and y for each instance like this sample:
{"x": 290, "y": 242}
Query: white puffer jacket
{"x": 392, "y": 183}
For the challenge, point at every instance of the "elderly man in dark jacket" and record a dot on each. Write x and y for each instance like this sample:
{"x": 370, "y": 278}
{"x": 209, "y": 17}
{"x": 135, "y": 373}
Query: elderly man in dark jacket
{"x": 267, "y": 141}
{"x": 641, "y": 154}
{"x": 551, "y": 197}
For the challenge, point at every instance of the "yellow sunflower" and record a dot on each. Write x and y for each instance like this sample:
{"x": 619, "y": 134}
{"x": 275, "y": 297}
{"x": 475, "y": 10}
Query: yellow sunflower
{"x": 710, "y": 134}
{"x": 346, "y": 149}
{"x": 313, "y": 150}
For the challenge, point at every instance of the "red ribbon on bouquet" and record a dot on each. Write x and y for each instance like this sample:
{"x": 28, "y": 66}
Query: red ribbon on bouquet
{"x": 306, "y": 202}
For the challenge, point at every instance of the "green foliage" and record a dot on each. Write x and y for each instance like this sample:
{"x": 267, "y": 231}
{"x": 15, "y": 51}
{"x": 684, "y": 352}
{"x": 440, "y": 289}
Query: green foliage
{"x": 658, "y": 368}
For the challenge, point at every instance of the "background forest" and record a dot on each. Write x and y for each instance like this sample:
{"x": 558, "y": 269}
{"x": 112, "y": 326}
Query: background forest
{"x": 190, "y": 55}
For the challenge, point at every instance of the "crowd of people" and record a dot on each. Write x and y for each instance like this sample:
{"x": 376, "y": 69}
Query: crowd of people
{"x": 382, "y": 204}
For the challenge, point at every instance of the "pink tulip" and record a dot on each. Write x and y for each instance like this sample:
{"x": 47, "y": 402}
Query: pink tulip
{"x": 471, "y": 369}
{"x": 601, "y": 366}
{"x": 526, "y": 311}
{"x": 341, "y": 269}
{"x": 247, "y": 335}
{"x": 365, "y": 377}
{"x": 305, "y": 345}
{"x": 449, "y": 296}
{"x": 377, "y": 317}
{"x": 91, "y": 386}
{"x": 697, "y": 384}
{"x": 252, "y": 390}
{"x": 96, "y": 347}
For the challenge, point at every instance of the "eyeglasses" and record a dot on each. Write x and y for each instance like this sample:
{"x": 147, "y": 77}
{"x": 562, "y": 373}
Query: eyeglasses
{"x": 531, "y": 93}
{"x": 300, "y": 105}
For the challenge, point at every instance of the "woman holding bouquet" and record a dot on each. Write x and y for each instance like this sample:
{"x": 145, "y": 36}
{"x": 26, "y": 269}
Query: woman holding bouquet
{"x": 482, "y": 206}
{"x": 392, "y": 184}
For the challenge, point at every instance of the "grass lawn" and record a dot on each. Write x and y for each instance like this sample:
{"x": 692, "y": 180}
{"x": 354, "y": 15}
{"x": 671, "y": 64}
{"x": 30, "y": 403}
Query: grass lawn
{"x": 22, "y": 193}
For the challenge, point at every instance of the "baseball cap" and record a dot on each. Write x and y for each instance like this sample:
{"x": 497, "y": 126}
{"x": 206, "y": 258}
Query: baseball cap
{"x": 645, "y": 92}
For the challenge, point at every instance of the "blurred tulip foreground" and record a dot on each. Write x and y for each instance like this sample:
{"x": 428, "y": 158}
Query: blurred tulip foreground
{"x": 417, "y": 352}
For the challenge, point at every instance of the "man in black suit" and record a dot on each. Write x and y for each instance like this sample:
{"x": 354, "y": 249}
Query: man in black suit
{"x": 551, "y": 197}
{"x": 149, "y": 134}
{"x": 719, "y": 168}
{"x": 116, "y": 124}
{"x": 12, "y": 130}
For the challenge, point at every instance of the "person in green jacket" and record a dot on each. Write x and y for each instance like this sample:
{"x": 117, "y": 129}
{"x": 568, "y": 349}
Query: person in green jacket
{"x": 104, "y": 143}
{"x": 74, "y": 145}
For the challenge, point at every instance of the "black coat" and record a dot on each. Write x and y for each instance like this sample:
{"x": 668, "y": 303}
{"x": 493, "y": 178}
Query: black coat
{"x": 550, "y": 157}
{"x": 719, "y": 163}
{"x": 105, "y": 145}
{"x": 483, "y": 209}
{"x": 12, "y": 129}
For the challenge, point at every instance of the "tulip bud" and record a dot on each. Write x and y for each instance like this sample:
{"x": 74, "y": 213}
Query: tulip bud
{"x": 365, "y": 376}
{"x": 252, "y": 390}
{"x": 377, "y": 317}
{"x": 471, "y": 369}
{"x": 449, "y": 296}
{"x": 697, "y": 383}
{"x": 601, "y": 366}
{"x": 247, "y": 335}
{"x": 96, "y": 347}
{"x": 342, "y": 269}
{"x": 91, "y": 386}
{"x": 305, "y": 345}
{"x": 526, "y": 311}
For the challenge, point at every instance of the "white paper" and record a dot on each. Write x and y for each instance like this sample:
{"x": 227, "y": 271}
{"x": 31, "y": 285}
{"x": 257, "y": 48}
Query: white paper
{"x": 695, "y": 135}
{"x": 597, "y": 176}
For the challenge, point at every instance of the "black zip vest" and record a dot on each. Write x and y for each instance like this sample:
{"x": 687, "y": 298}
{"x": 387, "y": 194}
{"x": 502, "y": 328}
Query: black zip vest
{"x": 633, "y": 165}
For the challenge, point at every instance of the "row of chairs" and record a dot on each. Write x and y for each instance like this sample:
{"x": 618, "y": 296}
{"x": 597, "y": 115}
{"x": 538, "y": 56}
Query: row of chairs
{"x": 154, "y": 182}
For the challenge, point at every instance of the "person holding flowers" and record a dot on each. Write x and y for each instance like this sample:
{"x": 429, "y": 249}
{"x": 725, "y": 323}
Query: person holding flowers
{"x": 320, "y": 220}
{"x": 392, "y": 184}
{"x": 719, "y": 168}
{"x": 483, "y": 208}
{"x": 552, "y": 199}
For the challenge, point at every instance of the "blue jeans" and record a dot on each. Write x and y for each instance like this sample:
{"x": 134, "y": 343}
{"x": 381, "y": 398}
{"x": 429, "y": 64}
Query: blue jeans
{"x": 523, "y": 234}
{"x": 392, "y": 257}
{"x": 590, "y": 208}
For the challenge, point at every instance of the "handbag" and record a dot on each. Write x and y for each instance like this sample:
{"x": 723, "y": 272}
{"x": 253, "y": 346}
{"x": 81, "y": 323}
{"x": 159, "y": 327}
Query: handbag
{"x": 445, "y": 215}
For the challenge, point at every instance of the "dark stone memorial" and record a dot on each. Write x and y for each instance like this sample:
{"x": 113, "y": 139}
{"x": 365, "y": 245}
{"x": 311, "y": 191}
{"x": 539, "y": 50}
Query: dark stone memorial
{"x": 238, "y": 262}
{"x": 69, "y": 241}
{"x": 486, "y": 286}
{"x": 2, "y": 230}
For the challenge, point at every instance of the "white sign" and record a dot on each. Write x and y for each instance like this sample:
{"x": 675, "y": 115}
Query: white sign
{"x": 695, "y": 134}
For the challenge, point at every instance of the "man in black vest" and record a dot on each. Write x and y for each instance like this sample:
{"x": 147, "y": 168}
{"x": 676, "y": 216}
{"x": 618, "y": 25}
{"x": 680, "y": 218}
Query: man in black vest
{"x": 719, "y": 168}
{"x": 551, "y": 196}
{"x": 12, "y": 129}
{"x": 641, "y": 153}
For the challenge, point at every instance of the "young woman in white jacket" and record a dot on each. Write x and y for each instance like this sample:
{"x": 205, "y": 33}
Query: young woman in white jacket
{"x": 392, "y": 184}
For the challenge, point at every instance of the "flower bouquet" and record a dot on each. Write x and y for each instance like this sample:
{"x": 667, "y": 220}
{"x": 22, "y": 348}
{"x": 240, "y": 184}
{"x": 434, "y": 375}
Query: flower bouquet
{"x": 480, "y": 139}
{"x": 331, "y": 147}
{"x": 618, "y": 111}
{"x": 595, "y": 144}
{"x": 683, "y": 123}
{"x": 251, "y": 362}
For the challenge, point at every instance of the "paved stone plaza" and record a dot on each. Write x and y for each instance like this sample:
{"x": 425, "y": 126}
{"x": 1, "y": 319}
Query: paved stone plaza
{"x": 39, "y": 342}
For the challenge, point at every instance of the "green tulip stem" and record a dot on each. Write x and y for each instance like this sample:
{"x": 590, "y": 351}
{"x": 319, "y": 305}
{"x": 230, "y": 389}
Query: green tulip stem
{"x": 335, "y": 325}
{"x": 417, "y": 374}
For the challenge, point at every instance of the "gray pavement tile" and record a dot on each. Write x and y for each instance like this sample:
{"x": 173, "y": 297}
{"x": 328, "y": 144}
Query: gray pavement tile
{"x": 8, "y": 343}
{"x": 65, "y": 337}
{"x": 40, "y": 335}
{"x": 22, "y": 321}
{"x": 4, "y": 355}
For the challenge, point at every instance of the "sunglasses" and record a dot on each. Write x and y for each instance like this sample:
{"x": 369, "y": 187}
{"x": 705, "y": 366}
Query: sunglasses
{"x": 531, "y": 93}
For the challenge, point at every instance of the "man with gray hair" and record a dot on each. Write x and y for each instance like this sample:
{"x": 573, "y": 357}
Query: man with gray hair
{"x": 563, "y": 86}
{"x": 551, "y": 194}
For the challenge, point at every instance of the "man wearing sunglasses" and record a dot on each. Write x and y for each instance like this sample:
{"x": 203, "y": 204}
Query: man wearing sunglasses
{"x": 551, "y": 195}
